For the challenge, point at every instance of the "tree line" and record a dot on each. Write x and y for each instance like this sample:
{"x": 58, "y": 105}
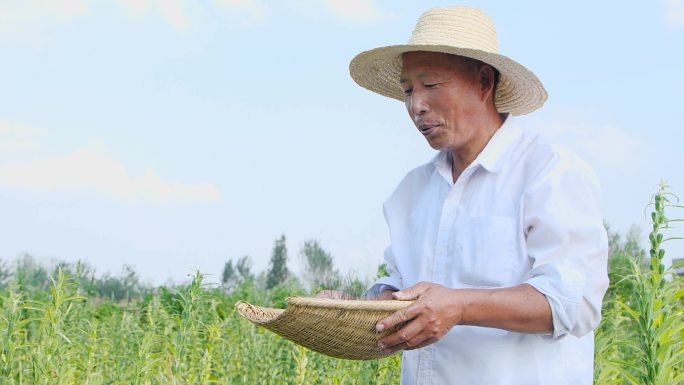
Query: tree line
{"x": 319, "y": 272}
{"x": 29, "y": 274}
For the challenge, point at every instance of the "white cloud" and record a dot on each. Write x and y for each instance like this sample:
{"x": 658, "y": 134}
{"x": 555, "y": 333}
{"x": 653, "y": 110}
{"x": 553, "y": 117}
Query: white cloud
{"x": 7, "y": 129}
{"x": 20, "y": 12}
{"x": 88, "y": 170}
{"x": 250, "y": 12}
{"x": 15, "y": 137}
{"x": 674, "y": 12}
{"x": 135, "y": 8}
{"x": 357, "y": 10}
{"x": 175, "y": 13}
{"x": 612, "y": 147}
{"x": 31, "y": 20}
{"x": 363, "y": 11}
{"x": 182, "y": 15}
{"x": 601, "y": 145}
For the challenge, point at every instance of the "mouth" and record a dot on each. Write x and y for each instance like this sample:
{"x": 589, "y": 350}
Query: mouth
{"x": 427, "y": 129}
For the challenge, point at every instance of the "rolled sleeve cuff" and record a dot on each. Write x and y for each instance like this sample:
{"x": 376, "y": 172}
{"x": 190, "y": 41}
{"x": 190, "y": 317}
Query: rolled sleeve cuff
{"x": 564, "y": 305}
{"x": 384, "y": 283}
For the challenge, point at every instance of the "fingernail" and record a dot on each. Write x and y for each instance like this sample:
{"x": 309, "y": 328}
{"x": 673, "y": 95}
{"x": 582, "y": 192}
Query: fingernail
{"x": 379, "y": 327}
{"x": 381, "y": 345}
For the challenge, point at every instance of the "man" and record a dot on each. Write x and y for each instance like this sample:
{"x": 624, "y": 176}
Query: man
{"x": 499, "y": 239}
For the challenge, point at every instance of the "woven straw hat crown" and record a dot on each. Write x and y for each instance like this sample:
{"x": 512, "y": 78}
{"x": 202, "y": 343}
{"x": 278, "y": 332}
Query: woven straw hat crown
{"x": 456, "y": 30}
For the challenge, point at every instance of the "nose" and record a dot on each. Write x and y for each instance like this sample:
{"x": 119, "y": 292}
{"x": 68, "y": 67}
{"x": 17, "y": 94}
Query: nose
{"x": 416, "y": 103}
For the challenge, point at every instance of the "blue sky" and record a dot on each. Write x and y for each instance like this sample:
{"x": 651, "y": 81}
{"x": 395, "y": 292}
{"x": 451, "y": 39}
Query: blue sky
{"x": 174, "y": 135}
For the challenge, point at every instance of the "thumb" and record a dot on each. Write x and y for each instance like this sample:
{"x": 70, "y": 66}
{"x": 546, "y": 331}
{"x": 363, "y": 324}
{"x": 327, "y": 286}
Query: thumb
{"x": 410, "y": 293}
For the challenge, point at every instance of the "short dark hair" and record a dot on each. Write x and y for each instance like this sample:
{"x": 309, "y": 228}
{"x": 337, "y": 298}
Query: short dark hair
{"x": 477, "y": 63}
{"x": 497, "y": 76}
{"x": 472, "y": 63}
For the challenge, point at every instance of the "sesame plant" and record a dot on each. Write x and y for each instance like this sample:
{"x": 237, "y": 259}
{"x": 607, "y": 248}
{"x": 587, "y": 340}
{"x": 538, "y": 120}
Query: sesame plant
{"x": 641, "y": 339}
{"x": 189, "y": 334}
{"x": 70, "y": 330}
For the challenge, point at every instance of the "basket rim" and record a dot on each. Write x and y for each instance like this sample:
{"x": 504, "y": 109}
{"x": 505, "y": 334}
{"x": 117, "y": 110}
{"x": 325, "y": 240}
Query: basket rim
{"x": 349, "y": 304}
{"x": 318, "y": 323}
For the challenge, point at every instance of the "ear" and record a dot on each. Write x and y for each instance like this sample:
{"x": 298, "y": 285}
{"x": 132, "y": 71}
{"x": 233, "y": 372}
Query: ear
{"x": 486, "y": 77}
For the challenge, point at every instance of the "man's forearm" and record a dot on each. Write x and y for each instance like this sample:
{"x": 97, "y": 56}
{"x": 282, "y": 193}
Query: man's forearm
{"x": 437, "y": 308}
{"x": 521, "y": 309}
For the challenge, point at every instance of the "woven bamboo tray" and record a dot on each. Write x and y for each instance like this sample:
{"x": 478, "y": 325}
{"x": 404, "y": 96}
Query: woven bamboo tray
{"x": 334, "y": 327}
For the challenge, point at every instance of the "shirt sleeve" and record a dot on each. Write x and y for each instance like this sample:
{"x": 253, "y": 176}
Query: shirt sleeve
{"x": 393, "y": 281}
{"x": 567, "y": 242}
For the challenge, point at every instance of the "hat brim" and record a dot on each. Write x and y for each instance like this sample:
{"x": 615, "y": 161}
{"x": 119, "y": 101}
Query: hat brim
{"x": 337, "y": 328}
{"x": 519, "y": 91}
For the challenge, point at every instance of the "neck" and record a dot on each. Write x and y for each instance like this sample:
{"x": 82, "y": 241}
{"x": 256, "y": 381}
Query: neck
{"x": 463, "y": 157}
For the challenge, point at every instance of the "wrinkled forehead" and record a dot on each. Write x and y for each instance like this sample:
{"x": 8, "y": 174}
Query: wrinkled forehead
{"x": 435, "y": 61}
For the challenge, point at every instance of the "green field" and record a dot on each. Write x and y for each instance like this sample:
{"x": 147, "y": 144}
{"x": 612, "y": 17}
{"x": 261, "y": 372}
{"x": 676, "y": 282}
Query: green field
{"x": 69, "y": 327}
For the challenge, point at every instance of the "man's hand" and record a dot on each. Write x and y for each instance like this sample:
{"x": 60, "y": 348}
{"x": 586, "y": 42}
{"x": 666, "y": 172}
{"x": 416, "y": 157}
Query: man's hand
{"x": 435, "y": 310}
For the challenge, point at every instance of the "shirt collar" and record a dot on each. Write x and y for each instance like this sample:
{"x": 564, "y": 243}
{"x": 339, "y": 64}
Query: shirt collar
{"x": 498, "y": 149}
{"x": 493, "y": 156}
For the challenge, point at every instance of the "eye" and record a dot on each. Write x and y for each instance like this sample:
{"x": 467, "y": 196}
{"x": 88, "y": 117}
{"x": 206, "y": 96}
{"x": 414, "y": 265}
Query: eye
{"x": 408, "y": 91}
{"x": 432, "y": 85}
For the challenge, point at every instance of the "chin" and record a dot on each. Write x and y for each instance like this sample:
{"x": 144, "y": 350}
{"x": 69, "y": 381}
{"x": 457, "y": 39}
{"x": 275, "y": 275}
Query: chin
{"x": 437, "y": 146}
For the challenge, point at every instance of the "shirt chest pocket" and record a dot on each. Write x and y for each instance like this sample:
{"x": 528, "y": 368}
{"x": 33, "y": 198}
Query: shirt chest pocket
{"x": 485, "y": 251}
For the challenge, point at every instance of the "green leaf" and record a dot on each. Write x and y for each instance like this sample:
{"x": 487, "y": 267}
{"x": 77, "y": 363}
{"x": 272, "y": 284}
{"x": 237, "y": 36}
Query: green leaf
{"x": 619, "y": 366}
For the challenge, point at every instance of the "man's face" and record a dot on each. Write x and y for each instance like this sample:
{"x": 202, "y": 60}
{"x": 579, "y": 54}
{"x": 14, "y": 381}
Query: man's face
{"x": 443, "y": 97}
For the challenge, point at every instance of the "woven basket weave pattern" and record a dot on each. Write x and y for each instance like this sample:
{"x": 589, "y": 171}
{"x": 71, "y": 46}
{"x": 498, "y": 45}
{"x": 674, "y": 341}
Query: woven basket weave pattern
{"x": 337, "y": 328}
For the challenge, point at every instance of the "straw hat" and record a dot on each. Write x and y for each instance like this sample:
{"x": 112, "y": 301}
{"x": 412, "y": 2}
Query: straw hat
{"x": 456, "y": 30}
{"x": 334, "y": 327}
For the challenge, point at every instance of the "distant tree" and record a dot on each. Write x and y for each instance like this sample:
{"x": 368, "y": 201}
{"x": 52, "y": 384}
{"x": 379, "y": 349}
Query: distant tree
{"x": 30, "y": 274}
{"x": 244, "y": 268}
{"x": 319, "y": 269}
{"x": 130, "y": 278}
{"x": 228, "y": 276}
{"x": 126, "y": 286}
{"x": 235, "y": 275}
{"x": 277, "y": 272}
{"x": 260, "y": 280}
{"x": 629, "y": 246}
{"x": 81, "y": 272}
{"x": 353, "y": 286}
{"x": 622, "y": 252}
{"x": 4, "y": 274}
{"x": 85, "y": 276}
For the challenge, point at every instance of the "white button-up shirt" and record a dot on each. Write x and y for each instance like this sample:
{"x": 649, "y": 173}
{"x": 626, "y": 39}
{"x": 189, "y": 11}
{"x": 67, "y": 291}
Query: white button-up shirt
{"x": 522, "y": 212}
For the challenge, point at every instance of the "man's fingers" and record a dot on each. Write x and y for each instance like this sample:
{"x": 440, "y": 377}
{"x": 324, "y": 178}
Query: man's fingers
{"x": 425, "y": 341}
{"x": 406, "y": 314}
{"x": 426, "y": 320}
{"x": 419, "y": 340}
{"x": 404, "y": 338}
{"x": 411, "y": 292}
{"x": 400, "y": 316}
